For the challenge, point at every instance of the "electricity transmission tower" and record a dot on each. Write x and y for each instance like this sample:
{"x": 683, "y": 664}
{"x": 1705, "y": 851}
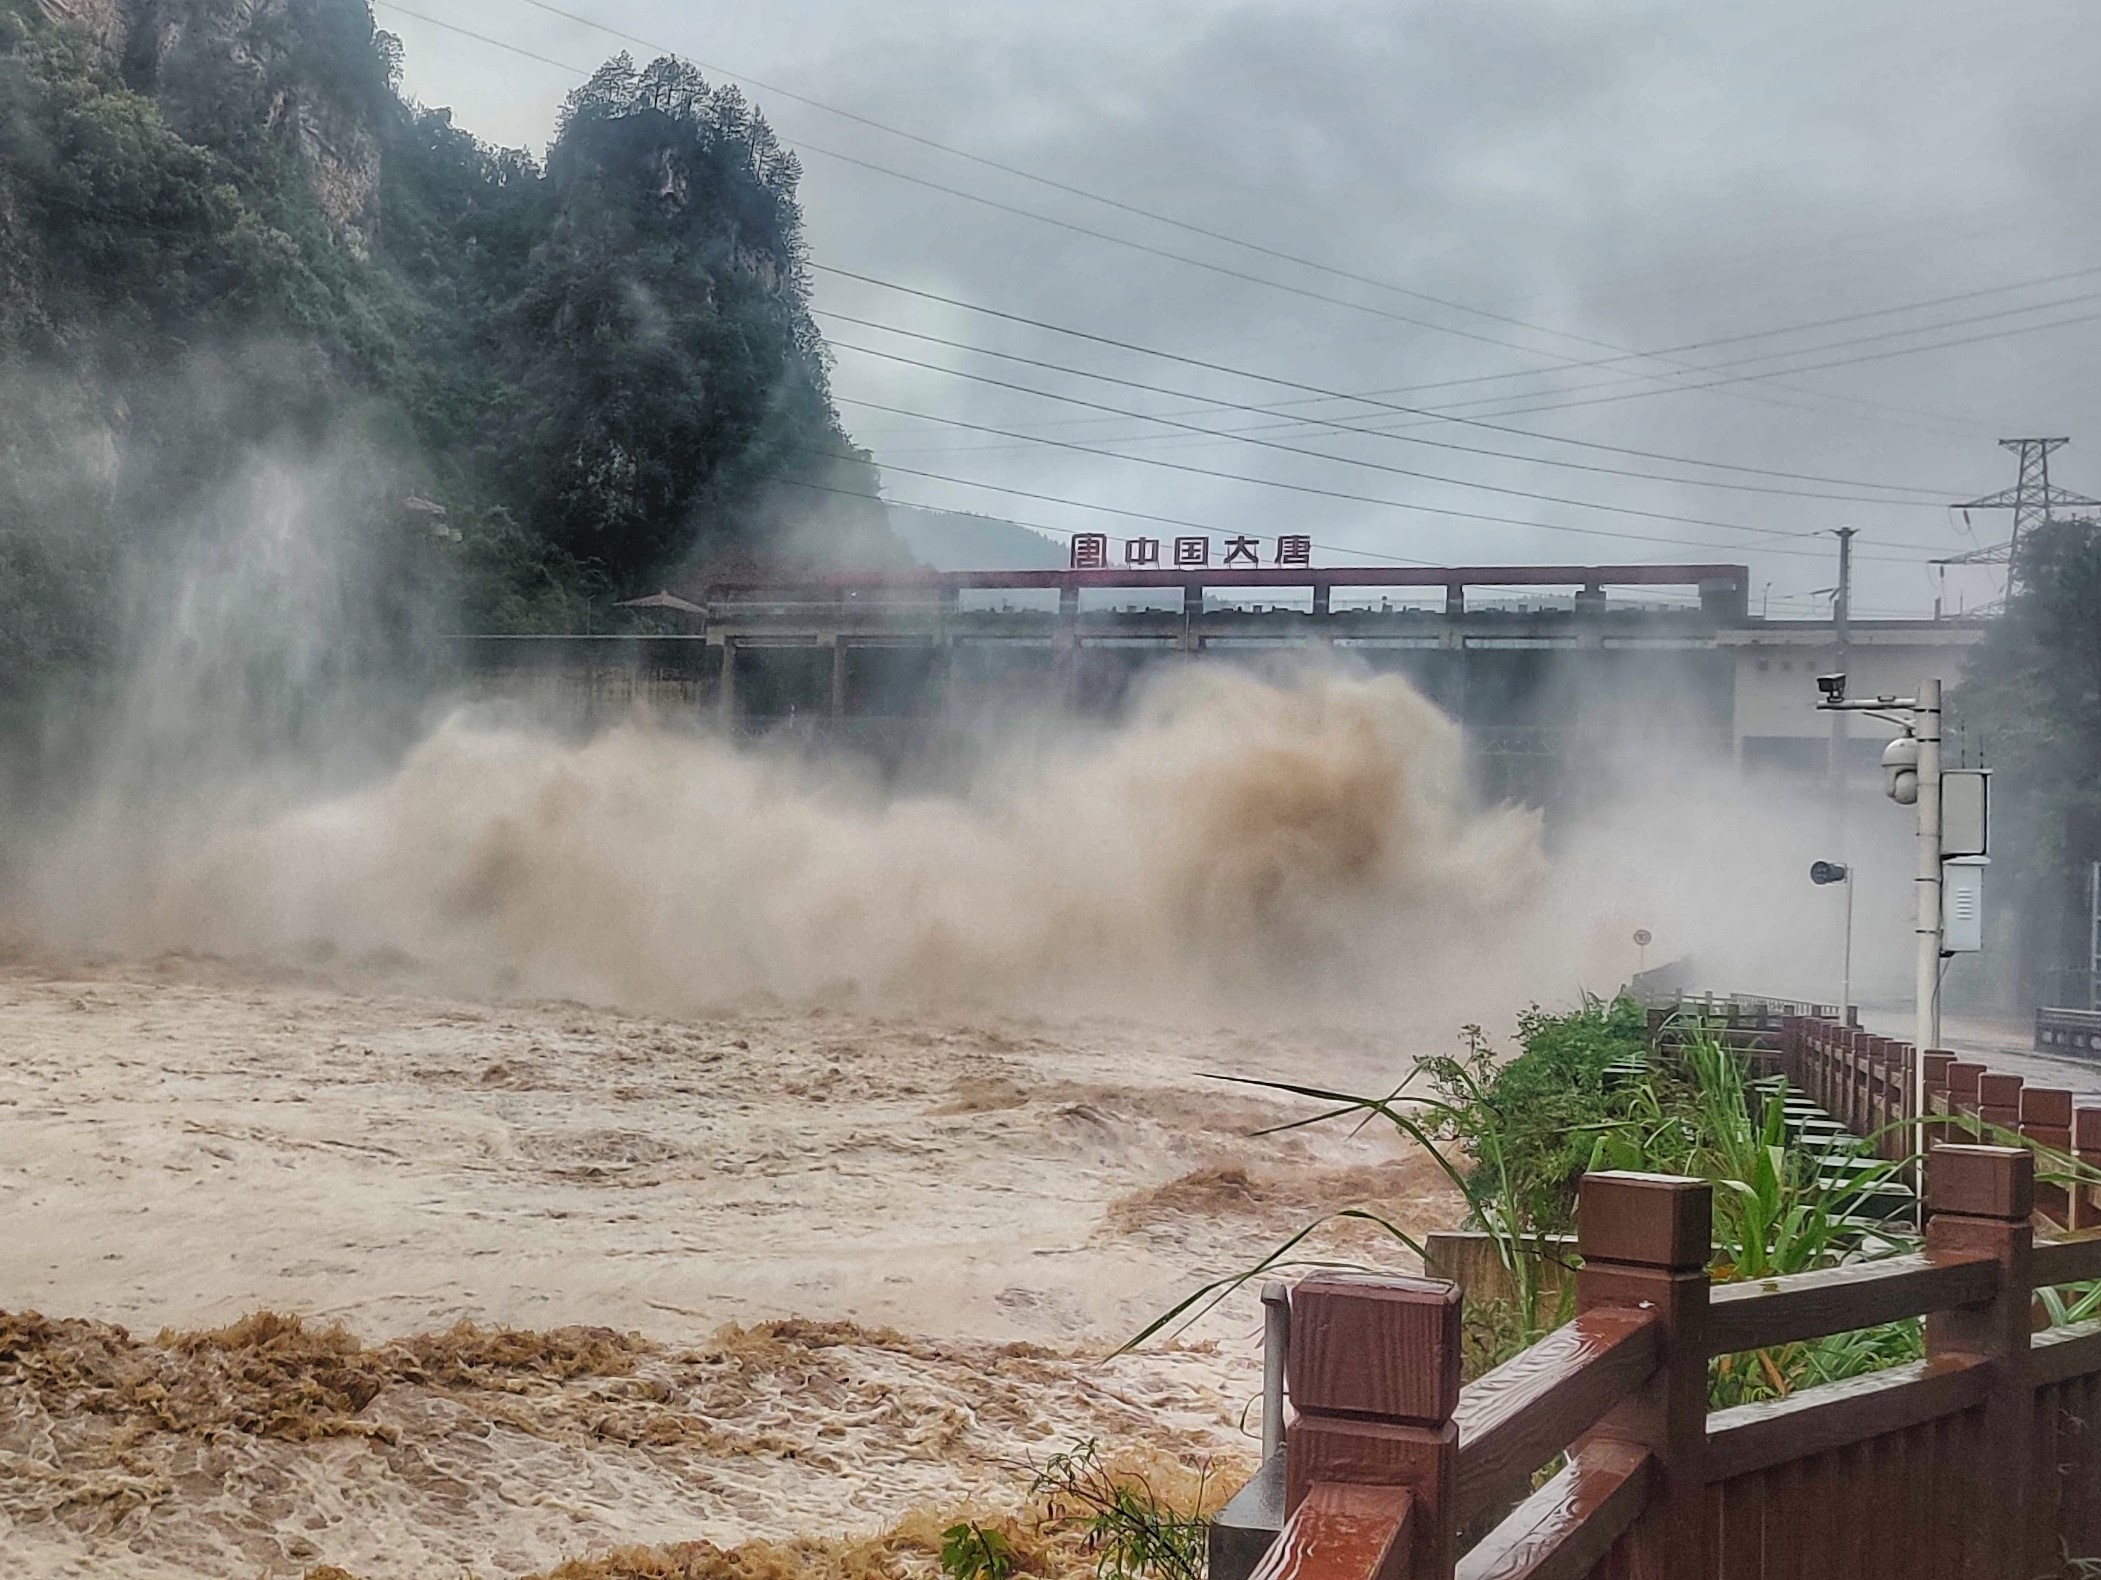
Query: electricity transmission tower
{"x": 2030, "y": 499}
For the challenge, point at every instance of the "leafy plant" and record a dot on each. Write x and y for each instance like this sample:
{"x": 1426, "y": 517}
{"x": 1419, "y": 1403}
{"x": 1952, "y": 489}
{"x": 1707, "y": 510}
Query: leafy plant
{"x": 1495, "y": 1195}
{"x": 1134, "y": 1530}
{"x": 1541, "y": 1107}
{"x": 2072, "y": 1303}
{"x": 969, "y": 1551}
{"x": 1515, "y": 1139}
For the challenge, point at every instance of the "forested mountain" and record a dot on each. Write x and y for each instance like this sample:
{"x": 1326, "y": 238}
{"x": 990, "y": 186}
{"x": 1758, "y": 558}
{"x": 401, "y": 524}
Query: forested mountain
{"x": 223, "y": 233}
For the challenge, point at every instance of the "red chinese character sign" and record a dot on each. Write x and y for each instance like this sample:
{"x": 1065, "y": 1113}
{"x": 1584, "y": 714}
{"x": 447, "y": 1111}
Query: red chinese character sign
{"x": 1090, "y": 551}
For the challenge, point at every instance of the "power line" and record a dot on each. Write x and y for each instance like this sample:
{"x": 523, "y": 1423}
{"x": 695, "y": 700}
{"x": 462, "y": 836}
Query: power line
{"x": 1813, "y": 367}
{"x": 1783, "y": 330}
{"x": 1456, "y": 414}
{"x": 1829, "y": 345}
{"x": 1372, "y": 430}
{"x": 1307, "y": 488}
{"x": 1322, "y": 455}
{"x": 1316, "y": 391}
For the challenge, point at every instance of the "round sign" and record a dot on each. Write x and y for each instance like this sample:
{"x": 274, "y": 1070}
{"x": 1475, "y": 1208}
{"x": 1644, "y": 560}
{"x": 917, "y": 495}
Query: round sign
{"x": 1642, "y": 939}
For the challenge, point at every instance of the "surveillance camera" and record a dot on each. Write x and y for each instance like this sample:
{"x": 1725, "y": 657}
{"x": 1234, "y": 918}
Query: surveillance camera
{"x": 1832, "y": 686}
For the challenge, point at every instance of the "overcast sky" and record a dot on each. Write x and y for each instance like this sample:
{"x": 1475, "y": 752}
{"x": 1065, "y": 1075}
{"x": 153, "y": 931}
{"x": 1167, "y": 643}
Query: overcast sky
{"x": 1519, "y": 187}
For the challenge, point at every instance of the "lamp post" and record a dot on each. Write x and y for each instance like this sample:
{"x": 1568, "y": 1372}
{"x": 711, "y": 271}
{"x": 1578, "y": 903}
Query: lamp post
{"x": 1822, "y": 872}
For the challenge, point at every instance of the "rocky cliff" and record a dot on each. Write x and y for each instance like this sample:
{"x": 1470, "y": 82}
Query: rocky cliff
{"x": 226, "y": 241}
{"x": 242, "y": 75}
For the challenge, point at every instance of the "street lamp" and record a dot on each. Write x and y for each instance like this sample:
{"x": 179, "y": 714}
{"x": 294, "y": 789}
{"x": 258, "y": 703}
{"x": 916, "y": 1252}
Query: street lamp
{"x": 1823, "y": 872}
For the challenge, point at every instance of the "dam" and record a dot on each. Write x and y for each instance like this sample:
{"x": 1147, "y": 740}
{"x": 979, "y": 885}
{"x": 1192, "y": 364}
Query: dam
{"x": 1540, "y": 664}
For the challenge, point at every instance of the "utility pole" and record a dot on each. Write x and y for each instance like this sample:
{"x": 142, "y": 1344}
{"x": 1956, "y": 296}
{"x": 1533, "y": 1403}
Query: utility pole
{"x": 1912, "y": 767}
{"x": 1926, "y": 729}
{"x": 1842, "y": 625}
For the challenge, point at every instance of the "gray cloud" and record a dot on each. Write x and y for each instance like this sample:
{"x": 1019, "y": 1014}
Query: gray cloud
{"x": 1625, "y": 173}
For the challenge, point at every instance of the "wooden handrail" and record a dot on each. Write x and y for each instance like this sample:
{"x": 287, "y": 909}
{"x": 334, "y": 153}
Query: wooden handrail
{"x": 1764, "y": 1312}
{"x": 1390, "y": 1462}
{"x": 1343, "y": 1531}
{"x": 1538, "y": 1402}
{"x": 2073, "y": 1259}
{"x": 1564, "y": 1529}
{"x": 1757, "y": 1436}
{"x": 2058, "y": 1354}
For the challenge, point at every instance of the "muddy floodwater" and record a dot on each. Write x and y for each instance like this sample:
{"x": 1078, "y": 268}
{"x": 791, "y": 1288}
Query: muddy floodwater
{"x": 308, "y": 1268}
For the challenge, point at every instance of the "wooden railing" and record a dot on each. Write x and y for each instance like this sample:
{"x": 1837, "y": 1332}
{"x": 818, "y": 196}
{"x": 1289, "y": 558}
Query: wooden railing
{"x": 1983, "y": 1459}
{"x": 1867, "y": 1083}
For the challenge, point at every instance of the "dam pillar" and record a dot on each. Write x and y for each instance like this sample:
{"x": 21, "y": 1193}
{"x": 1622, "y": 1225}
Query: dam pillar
{"x": 1065, "y": 647}
{"x": 945, "y": 680}
{"x": 726, "y": 683}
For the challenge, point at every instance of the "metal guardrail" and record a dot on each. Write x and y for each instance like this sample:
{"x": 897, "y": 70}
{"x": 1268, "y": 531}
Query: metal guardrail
{"x": 2072, "y": 1033}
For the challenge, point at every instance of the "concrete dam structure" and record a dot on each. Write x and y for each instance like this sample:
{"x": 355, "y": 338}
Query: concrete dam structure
{"x": 889, "y": 662}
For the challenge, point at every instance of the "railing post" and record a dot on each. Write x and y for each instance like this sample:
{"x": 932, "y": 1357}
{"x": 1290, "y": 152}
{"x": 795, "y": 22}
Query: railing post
{"x": 1963, "y": 1076}
{"x": 2086, "y": 1152}
{"x": 1645, "y": 1241}
{"x": 1900, "y": 1139}
{"x": 2046, "y": 1122}
{"x": 1979, "y": 1201}
{"x": 1937, "y": 1093}
{"x": 1998, "y": 1102}
{"x": 1373, "y": 1369}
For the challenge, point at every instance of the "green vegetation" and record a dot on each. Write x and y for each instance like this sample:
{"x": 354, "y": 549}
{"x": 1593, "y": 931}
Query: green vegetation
{"x": 1586, "y": 1091}
{"x": 1135, "y": 1527}
{"x": 2030, "y": 706}
{"x": 1127, "y": 1521}
{"x": 1536, "y": 1117}
{"x": 1539, "y": 1121}
{"x": 970, "y": 1551}
{"x": 231, "y": 239}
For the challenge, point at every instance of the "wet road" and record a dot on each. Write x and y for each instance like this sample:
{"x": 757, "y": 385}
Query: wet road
{"x": 2007, "y": 1045}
